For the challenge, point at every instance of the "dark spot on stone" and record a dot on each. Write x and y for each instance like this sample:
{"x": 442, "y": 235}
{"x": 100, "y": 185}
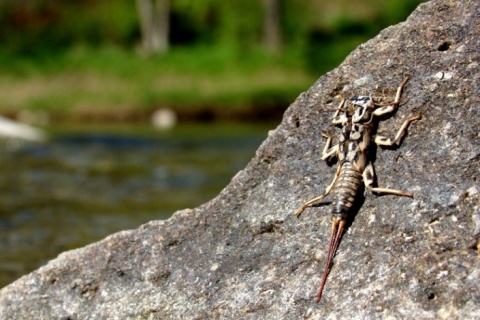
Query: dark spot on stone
{"x": 444, "y": 46}
{"x": 268, "y": 227}
{"x": 172, "y": 242}
{"x": 430, "y": 295}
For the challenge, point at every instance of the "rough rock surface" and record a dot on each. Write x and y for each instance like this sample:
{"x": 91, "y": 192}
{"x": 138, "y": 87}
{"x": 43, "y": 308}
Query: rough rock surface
{"x": 244, "y": 256}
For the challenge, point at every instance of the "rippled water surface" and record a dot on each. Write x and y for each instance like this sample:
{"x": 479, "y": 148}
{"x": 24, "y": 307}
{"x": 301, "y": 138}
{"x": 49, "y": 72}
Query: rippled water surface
{"x": 88, "y": 182}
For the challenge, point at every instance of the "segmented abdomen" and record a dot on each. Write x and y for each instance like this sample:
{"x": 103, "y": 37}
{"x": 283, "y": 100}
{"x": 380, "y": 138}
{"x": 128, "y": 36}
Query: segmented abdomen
{"x": 345, "y": 190}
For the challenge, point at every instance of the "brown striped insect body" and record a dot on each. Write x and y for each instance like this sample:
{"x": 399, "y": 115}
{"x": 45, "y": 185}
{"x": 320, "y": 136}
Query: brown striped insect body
{"x": 358, "y": 117}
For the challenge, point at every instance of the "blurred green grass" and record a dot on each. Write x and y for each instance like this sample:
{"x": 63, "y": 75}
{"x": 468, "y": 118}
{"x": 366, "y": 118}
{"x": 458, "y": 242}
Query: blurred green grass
{"x": 85, "y": 81}
{"x": 72, "y": 61}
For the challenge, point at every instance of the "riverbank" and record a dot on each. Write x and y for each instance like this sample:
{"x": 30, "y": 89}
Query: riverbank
{"x": 112, "y": 84}
{"x": 97, "y": 179}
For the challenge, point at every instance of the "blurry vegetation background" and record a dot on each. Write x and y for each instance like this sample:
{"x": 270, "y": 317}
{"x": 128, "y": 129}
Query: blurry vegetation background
{"x": 211, "y": 59}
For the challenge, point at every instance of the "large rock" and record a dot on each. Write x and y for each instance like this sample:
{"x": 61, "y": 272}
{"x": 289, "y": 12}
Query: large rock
{"x": 243, "y": 254}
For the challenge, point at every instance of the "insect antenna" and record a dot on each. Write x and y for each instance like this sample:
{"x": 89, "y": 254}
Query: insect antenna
{"x": 327, "y": 109}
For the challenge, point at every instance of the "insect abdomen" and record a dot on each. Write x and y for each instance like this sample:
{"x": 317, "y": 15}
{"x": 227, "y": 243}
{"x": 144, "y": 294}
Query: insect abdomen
{"x": 345, "y": 190}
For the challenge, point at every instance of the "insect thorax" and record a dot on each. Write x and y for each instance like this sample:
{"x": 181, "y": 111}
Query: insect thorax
{"x": 363, "y": 109}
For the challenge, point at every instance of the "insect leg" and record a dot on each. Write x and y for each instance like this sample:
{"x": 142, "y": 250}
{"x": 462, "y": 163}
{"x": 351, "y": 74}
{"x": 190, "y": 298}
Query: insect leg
{"x": 369, "y": 177}
{"x": 389, "y": 107}
{"x": 385, "y": 109}
{"x": 339, "y": 108}
{"x": 383, "y": 141}
{"x": 316, "y": 199}
{"x": 399, "y": 90}
{"x": 329, "y": 153}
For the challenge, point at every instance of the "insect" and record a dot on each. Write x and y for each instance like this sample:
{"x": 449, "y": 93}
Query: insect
{"x": 358, "y": 118}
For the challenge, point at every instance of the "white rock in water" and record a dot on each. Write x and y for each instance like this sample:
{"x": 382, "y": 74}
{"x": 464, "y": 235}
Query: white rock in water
{"x": 164, "y": 118}
{"x": 13, "y": 129}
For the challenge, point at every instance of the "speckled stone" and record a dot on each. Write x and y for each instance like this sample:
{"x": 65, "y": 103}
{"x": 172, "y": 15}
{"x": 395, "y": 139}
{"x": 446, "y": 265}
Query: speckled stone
{"x": 244, "y": 256}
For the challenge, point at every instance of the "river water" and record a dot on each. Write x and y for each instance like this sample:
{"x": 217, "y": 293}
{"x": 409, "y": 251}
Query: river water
{"x": 87, "y": 182}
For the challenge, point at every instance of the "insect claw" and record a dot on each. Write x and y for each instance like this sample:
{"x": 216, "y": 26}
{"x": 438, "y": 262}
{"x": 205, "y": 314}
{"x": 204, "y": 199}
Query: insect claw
{"x": 336, "y": 233}
{"x": 299, "y": 212}
{"x": 404, "y": 101}
{"x": 325, "y": 134}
